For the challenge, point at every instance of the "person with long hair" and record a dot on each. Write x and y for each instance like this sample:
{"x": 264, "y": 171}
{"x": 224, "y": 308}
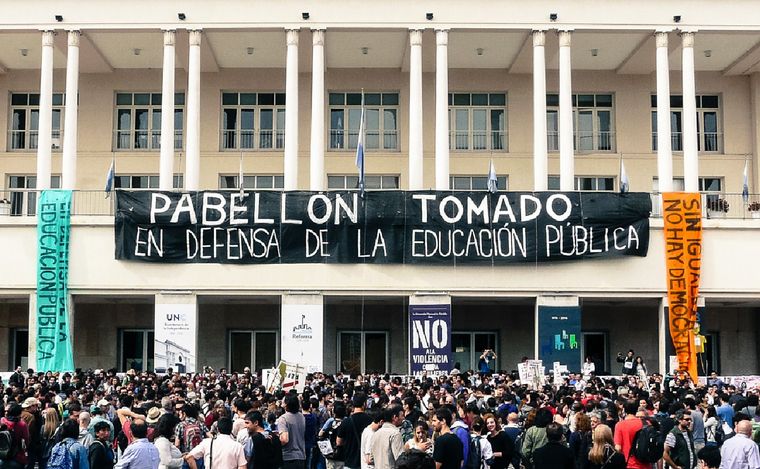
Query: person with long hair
{"x": 420, "y": 440}
{"x": 50, "y": 423}
{"x": 580, "y": 440}
{"x": 602, "y": 454}
{"x": 502, "y": 445}
{"x": 169, "y": 455}
{"x": 711, "y": 426}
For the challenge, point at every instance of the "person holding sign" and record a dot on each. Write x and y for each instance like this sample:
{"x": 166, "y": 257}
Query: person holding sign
{"x": 628, "y": 363}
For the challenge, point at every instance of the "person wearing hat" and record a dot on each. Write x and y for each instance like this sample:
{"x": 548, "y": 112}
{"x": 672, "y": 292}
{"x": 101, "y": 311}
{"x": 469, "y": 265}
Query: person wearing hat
{"x": 98, "y": 415}
{"x": 30, "y": 413}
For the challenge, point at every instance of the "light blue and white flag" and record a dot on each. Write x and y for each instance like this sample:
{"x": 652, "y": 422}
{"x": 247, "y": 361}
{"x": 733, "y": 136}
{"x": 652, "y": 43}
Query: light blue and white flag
{"x": 745, "y": 186}
{"x": 109, "y": 179}
{"x": 623, "y": 177}
{"x": 493, "y": 181}
{"x": 360, "y": 149}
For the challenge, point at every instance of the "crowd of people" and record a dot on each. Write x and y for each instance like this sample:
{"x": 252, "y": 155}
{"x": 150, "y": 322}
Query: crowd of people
{"x": 467, "y": 420}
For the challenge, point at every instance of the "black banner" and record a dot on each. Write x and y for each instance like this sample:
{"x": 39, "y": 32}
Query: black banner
{"x": 421, "y": 227}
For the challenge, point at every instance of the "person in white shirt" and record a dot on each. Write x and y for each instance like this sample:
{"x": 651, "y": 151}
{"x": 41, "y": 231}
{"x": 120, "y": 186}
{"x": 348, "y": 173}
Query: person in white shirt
{"x": 739, "y": 451}
{"x": 220, "y": 452}
{"x": 366, "y": 439}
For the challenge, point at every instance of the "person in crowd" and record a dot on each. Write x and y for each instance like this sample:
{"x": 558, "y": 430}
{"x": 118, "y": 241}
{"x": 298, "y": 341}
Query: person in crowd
{"x": 740, "y": 451}
{"x": 20, "y": 438}
{"x": 48, "y": 434}
{"x": 724, "y": 410}
{"x": 100, "y": 454}
{"x": 627, "y": 362}
{"x": 85, "y": 438}
{"x": 448, "y": 452}
{"x": 709, "y": 457}
{"x": 350, "y": 430}
{"x": 421, "y": 440}
{"x": 99, "y": 413}
{"x": 502, "y": 445}
{"x": 485, "y": 362}
{"x": 220, "y": 451}
{"x": 170, "y": 457}
{"x": 581, "y": 441}
{"x": 30, "y": 413}
{"x": 141, "y": 453}
{"x": 711, "y": 426}
{"x": 261, "y": 448}
{"x": 535, "y": 436}
{"x": 190, "y": 431}
{"x": 625, "y": 432}
{"x": 679, "y": 443}
{"x": 69, "y": 449}
{"x": 386, "y": 444}
{"x": 292, "y": 429}
{"x": 603, "y": 454}
{"x": 554, "y": 454}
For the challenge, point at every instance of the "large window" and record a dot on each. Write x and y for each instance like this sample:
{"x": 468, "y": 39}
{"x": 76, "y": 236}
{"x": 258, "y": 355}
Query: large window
{"x": 25, "y": 120}
{"x": 253, "y": 121}
{"x": 253, "y": 349}
{"x": 381, "y": 120}
{"x": 371, "y": 182}
{"x": 19, "y": 355}
{"x": 478, "y": 121}
{"x": 23, "y": 193}
{"x": 136, "y": 349}
{"x": 149, "y": 181}
{"x": 251, "y": 181}
{"x": 592, "y": 122}
{"x": 586, "y": 183}
{"x": 466, "y": 348}
{"x": 709, "y": 136}
{"x": 477, "y": 183}
{"x": 138, "y": 121}
{"x": 362, "y": 352}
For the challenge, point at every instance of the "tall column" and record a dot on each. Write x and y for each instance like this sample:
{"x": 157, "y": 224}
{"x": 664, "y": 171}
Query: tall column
{"x": 442, "y": 110}
{"x": 540, "y": 157}
{"x": 166, "y": 163}
{"x": 566, "y": 136}
{"x": 690, "y": 159}
{"x": 415, "y": 110}
{"x": 193, "y": 132}
{"x": 69, "y": 172}
{"x": 664, "y": 143}
{"x": 317, "y": 147}
{"x": 291, "y": 112}
{"x": 663, "y": 333}
{"x": 45, "y": 127}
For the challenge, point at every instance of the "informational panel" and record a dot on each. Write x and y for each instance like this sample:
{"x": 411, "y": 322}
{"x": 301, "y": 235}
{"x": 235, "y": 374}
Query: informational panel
{"x": 430, "y": 339}
{"x": 302, "y": 335}
{"x": 559, "y": 335}
{"x": 176, "y": 329}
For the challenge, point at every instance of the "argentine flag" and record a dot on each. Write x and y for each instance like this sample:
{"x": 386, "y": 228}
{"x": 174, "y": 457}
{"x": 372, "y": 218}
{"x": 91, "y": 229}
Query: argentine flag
{"x": 745, "y": 186}
{"x": 109, "y": 179}
{"x": 360, "y": 150}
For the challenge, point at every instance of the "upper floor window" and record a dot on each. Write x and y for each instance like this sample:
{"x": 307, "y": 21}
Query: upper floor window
{"x": 706, "y": 184}
{"x": 709, "y": 136}
{"x": 251, "y": 181}
{"x": 371, "y": 182}
{"x": 478, "y": 121}
{"x": 143, "y": 181}
{"x": 253, "y": 121}
{"x": 477, "y": 183}
{"x": 23, "y": 196}
{"x": 138, "y": 121}
{"x": 25, "y": 121}
{"x": 381, "y": 120}
{"x": 592, "y": 122}
{"x": 586, "y": 183}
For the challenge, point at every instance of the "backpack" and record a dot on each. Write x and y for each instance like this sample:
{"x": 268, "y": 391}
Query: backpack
{"x": 266, "y": 450}
{"x": 61, "y": 457}
{"x": 332, "y": 450}
{"x": 475, "y": 454}
{"x": 648, "y": 444}
{"x": 415, "y": 459}
{"x": 7, "y": 450}
{"x": 720, "y": 434}
{"x": 193, "y": 435}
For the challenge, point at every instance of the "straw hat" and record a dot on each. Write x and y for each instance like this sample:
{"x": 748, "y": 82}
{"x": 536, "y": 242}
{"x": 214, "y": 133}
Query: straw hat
{"x": 153, "y": 415}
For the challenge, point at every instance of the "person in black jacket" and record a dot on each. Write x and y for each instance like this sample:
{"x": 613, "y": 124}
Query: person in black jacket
{"x": 553, "y": 455}
{"x": 99, "y": 454}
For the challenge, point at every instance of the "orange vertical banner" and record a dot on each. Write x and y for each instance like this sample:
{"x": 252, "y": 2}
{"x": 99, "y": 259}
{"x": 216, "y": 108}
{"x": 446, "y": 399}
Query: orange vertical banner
{"x": 682, "y": 215}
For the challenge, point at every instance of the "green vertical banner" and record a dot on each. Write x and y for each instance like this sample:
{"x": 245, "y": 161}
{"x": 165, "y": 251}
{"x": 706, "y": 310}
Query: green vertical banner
{"x": 53, "y": 338}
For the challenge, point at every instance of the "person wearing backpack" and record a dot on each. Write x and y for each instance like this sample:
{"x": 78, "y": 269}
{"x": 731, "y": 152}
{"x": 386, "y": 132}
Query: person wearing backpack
{"x": 99, "y": 454}
{"x": 625, "y": 434}
{"x": 69, "y": 453}
{"x": 554, "y": 454}
{"x": 329, "y": 433}
{"x": 190, "y": 431}
{"x": 14, "y": 439}
{"x": 679, "y": 444}
{"x": 262, "y": 449}
{"x": 480, "y": 455}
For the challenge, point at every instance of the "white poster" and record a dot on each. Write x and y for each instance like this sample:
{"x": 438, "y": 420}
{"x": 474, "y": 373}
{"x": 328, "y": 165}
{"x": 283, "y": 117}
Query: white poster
{"x": 301, "y": 335}
{"x": 175, "y": 337}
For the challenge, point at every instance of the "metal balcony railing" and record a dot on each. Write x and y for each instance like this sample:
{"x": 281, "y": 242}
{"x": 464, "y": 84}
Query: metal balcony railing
{"x": 584, "y": 141}
{"x": 478, "y": 140}
{"x": 706, "y": 141}
{"x": 252, "y": 139}
{"x": 718, "y": 205}
{"x": 143, "y": 140}
{"x": 29, "y": 139}
{"x": 373, "y": 139}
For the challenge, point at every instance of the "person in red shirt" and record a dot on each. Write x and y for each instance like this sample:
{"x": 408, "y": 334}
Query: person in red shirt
{"x": 19, "y": 432}
{"x": 625, "y": 431}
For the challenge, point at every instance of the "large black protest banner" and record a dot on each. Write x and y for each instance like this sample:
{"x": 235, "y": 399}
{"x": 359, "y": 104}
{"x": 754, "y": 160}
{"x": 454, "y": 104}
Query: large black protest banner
{"x": 383, "y": 227}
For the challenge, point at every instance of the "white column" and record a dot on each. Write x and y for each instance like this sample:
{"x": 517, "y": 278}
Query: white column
{"x": 317, "y": 147}
{"x": 166, "y": 164}
{"x": 566, "y": 136}
{"x": 690, "y": 159}
{"x": 664, "y": 143}
{"x": 291, "y": 112}
{"x": 45, "y": 128}
{"x": 415, "y": 110}
{"x": 540, "y": 157}
{"x": 662, "y": 334}
{"x": 193, "y": 131}
{"x": 69, "y": 173}
{"x": 442, "y": 110}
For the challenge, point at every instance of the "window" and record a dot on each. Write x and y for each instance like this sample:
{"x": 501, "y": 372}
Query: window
{"x": 381, "y": 120}
{"x": 24, "y": 195}
{"x": 466, "y": 348}
{"x": 138, "y": 121}
{"x": 712, "y": 187}
{"x": 259, "y": 181}
{"x": 25, "y": 120}
{"x": 709, "y": 136}
{"x": 592, "y": 122}
{"x": 373, "y": 182}
{"x": 254, "y": 349}
{"x": 253, "y": 121}
{"x": 19, "y": 348}
{"x": 477, "y": 121}
{"x": 125, "y": 181}
{"x": 477, "y": 183}
{"x": 586, "y": 183}
{"x": 362, "y": 352}
{"x": 136, "y": 349}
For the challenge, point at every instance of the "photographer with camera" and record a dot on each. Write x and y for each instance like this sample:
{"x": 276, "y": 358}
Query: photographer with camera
{"x": 485, "y": 361}
{"x": 627, "y": 360}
